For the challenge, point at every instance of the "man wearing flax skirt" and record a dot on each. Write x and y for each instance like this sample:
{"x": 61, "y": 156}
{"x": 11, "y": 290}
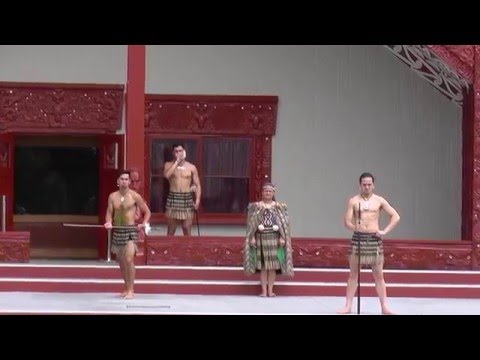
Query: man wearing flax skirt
{"x": 362, "y": 217}
{"x": 184, "y": 196}
{"x": 122, "y": 205}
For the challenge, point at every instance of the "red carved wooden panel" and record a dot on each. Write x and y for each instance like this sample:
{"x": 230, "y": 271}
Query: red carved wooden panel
{"x": 314, "y": 253}
{"x": 308, "y": 252}
{"x": 398, "y": 254}
{"x": 262, "y": 162}
{"x": 459, "y": 64}
{"x": 436, "y": 255}
{"x": 203, "y": 114}
{"x": 464, "y": 52}
{"x": 15, "y": 246}
{"x": 476, "y": 150}
{"x": 435, "y": 69}
{"x": 60, "y": 108}
{"x": 194, "y": 251}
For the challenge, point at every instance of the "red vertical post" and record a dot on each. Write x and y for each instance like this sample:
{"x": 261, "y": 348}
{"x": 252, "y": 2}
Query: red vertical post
{"x": 135, "y": 108}
{"x": 475, "y": 218}
{"x": 135, "y": 123}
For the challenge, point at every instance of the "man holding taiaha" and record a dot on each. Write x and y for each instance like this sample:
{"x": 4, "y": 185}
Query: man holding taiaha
{"x": 121, "y": 208}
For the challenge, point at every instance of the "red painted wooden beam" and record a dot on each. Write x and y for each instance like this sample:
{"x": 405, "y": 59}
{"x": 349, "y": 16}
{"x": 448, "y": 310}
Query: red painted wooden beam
{"x": 135, "y": 108}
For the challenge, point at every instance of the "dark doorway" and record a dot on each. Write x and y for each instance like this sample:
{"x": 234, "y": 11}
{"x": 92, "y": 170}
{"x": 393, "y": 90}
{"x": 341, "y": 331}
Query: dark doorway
{"x": 56, "y": 181}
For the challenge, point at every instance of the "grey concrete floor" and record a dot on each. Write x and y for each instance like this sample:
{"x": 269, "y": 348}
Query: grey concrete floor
{"x": 108, "y": 303}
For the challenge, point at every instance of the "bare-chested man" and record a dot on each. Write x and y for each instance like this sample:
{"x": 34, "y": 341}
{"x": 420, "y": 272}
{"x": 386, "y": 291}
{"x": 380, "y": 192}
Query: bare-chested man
{"x": 184, "y": 182}
{"x": 121, "y": 208}
{"x": 136, "y": 185}
{"x": 362, "y": 217}
{"x": 135, "y": 181}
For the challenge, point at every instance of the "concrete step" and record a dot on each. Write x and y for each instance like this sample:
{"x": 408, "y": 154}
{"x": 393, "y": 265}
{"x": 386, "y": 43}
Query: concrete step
{"x": 231, "y": 281}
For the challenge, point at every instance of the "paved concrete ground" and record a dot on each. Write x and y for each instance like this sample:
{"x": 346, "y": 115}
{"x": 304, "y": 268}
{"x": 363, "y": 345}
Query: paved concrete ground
{"x": 107, "y": 303}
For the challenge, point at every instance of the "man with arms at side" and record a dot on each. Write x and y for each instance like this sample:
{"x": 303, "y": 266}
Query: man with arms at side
{"x": 184, "y": 184}
{"x": 362, "y": 217}
{"x": 122, "y": 205}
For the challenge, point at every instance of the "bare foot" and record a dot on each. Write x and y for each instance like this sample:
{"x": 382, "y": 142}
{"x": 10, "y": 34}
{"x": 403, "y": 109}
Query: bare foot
{"x": 263, "y": 294}
{"x": 344, "y": 310}
{"x": 387, "y": 311}
{"x": 128, "y": 295}
{"x": 272, "y": 294}
{"x": 124, "y": 292}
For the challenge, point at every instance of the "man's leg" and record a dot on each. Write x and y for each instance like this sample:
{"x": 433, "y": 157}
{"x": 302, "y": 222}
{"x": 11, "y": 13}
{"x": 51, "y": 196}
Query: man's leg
{"x": 351, "y": 286}
{"x": 120, "y": 260}
{"x": 129, "y": 264}
{"x": 172, "y": 226}
{"x": 381, "y": 287}
{"x": 187, "y": 227}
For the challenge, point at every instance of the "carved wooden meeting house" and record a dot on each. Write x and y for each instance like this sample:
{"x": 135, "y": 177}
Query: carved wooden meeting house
{"x": 65, "y": 133}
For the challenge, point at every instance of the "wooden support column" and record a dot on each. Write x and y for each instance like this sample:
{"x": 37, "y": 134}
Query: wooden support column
{"x": 475, "y": 135}
{"x": 135, "y": 124}
{"x": 135, "y": 109}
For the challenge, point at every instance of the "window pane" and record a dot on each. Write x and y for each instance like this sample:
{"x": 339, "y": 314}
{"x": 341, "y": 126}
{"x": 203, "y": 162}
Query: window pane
{"x": 225, "y": 195}
{"x": 226, "y": 157}
{"x": 161, "y": 151}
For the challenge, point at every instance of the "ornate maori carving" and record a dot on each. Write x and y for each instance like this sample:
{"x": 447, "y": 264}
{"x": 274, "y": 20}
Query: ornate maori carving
{"x": 259, "y": 119}
{"x": 460, "y": 59}
{"x": 223, "y": 252}
{"x": 476, "y": 150}
{"x": 405, "y": 256}
{"x": 464, "y": 52}
{"x": 315, "y": 253}
{"x": 311, "y": 253}
{"x": 201, "y": 115}
{"x": 60, "y": 107}
{"x": 190, "y": 114}
{"x": 263, "y": 163}
{"x": 15, "y": 247}
{"x": 445, "y": 72}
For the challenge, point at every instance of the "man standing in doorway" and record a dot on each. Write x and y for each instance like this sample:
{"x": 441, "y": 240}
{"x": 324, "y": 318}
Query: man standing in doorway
{"x": 185, "y": 191}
